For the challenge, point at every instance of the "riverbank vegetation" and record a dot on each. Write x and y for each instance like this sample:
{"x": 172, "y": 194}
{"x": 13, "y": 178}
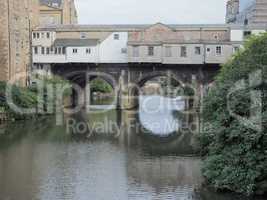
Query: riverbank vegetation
{"x": 27, "y": 97}
{"x": 100, "y": 86}
{"x": 22, "y": 97}
{"x": 234, "y": 137}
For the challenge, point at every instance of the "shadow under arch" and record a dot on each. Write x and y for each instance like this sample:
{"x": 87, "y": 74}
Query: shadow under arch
{"x": 153, "y": 75}
{"x": 189, "y": 89}
{"x": 82, "y": 79}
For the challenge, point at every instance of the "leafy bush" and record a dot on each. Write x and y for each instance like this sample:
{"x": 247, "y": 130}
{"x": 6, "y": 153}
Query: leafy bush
{"x": 22, "y": 97}
{"x": 236, "y": 153}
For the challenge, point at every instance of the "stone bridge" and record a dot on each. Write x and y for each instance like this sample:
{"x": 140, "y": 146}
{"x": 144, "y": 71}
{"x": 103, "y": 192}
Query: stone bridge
{"x": 126, "y": 79}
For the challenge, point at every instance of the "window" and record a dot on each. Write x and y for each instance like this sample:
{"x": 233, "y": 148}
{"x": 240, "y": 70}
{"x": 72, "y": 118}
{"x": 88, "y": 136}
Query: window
{"x": 43, "y": 50}
{"x": 124, "y": 50}
{"x": 247, "y": 34}
{"x": 197, "y": 50}
{"x": 168, "y": 51}
{"x": 59, "y": 50}
{"x": 75, "y": 51}
{"x": 83, "y": 35}
{"x": 48, "y": 35}
{"x": 64, "y": 50}
{"x": 47, "y": 50}
{"x": 116, "y": 36}
{"x": 35, "y": 50}
{"x": 218, "y": 50}
{"x": 88, "y": 51}
{"x": 208, "y": 49}
{"x": 135, "y": 51}
{"x": 34, "y": 35}
{"x": 151, "y": 51}
{"x": 55, "y": 50}
{"x": 43, "y": 35}
{"x": 183, "y": 51}
{"x": 38, "y": 35}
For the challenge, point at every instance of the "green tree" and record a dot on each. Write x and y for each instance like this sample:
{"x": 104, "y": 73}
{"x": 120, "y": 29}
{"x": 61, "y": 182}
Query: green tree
{"x": 99, "y": 85}
{"x": 235, "y": 154}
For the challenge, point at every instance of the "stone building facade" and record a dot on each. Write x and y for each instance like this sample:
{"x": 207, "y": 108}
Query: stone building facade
{"x": 246, "y": 12}
{"x": 58, "y": 12}
{"x": 18, "y": 18}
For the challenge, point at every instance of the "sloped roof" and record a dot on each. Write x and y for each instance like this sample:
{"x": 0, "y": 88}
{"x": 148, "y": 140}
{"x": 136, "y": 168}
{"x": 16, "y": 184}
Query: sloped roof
{"x": 127, "y": 27}
{"x": 75, "y": 42}
{"x": 140, "y": 27}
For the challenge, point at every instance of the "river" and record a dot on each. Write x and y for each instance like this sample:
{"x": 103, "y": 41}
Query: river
{"x": 130, "y": 158}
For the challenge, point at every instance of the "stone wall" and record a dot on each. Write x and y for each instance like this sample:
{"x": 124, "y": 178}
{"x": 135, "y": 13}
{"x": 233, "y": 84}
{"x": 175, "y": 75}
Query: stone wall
{"x": 4, "y": 43}
{"x": 18, "y": 18}
{"x": 64, "y": 13}
{"x": 69, "y": 12}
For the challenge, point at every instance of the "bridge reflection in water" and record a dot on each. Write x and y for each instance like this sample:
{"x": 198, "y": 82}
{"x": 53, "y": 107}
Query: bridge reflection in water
{"x": 38, "y": 160}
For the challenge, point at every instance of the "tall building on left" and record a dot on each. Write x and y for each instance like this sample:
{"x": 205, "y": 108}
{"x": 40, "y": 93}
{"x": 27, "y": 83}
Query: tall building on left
{"x": 18, "y": 19}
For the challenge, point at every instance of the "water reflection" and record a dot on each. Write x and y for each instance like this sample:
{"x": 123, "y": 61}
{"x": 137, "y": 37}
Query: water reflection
{"x": 157, "y": 114}
{"x": 39, "y": 160}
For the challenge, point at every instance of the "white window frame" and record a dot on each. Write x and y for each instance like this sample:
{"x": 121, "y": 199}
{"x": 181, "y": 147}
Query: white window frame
{"x": 88, "y": 50}
{"x": 168, "y": 51}
{"x": 183, "y": 51}
{"x": 35, "y": 50}
{"x": 47, "y": 50}
{"x": 43, "y": 50}
{"x": 197, "y": 50}
{"x": 218, "y": 50}
{"x": 116, "y": 36}
{"x": 151, "y": 51}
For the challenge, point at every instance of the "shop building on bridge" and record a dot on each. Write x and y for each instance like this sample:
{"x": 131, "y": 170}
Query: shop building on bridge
{"x": 136, "y": 44}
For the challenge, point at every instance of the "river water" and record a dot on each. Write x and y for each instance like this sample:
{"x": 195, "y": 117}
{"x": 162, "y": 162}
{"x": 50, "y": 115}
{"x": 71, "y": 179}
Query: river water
{"x": 130, "y": 157}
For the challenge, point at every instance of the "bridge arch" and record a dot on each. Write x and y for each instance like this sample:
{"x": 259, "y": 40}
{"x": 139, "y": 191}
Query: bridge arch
{"x": 149, "y": 76}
